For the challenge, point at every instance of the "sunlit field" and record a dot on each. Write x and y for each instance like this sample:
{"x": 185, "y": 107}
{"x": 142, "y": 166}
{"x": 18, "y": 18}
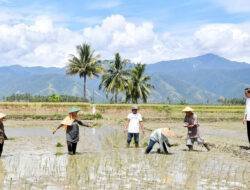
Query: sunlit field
{"x": 34, "y": 158}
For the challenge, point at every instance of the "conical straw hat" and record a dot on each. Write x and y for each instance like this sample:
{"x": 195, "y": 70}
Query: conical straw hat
{"x": 167, "y": 132}
{"x": 187, "y": 109}
{"x": 67, "y": 121}
{"x": 74, "y": 109}
{"x": 2, "y": 115}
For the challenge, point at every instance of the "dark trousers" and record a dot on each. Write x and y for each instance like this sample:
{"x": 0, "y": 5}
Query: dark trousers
{"x": 71, "y": 147}
{"x": 248, "y": 130}
{"x": 136, "y": 138}
{"x": 1, "y": 148}
{"x": 150, "y": 146}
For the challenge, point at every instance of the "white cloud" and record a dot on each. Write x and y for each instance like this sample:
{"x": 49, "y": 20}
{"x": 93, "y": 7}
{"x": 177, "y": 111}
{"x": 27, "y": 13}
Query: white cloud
{"x": 141, "y": 43}
{"x": 37, "y": 44}
{"x": 43, "y": 43}
{"x": 138, "y": 43}
{"x": 228, "y": 40}
{"x": 234, "y": 6}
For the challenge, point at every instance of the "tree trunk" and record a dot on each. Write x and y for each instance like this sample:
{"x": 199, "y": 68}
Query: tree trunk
{"x": 116, "y": 97}
{"x": 84, "y": 87}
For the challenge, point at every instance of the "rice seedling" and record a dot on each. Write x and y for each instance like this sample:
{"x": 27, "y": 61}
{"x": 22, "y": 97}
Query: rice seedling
{"x": 41, "y": 162}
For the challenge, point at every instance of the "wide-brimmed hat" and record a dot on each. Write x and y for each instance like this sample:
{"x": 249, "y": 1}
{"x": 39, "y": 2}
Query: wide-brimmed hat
{"x": 187, "y": 109}
{"x": 167, "y": 132}
{"x": 134, "y": 107}
{"x": 74, "y": 109}
{"x": 2, "y": 115}
{"x": 67, "y": 121}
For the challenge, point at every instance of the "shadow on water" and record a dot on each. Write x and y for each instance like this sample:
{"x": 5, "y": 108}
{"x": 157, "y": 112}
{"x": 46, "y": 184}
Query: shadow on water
{"x": 166, "y": 154}
{"x": 186, "y": 150}
{"x": 2, "y": 174}
{"x": 245, "y": 147}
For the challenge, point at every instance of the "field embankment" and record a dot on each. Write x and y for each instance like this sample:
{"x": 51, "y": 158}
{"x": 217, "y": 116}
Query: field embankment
{"x": 150, "y": 112}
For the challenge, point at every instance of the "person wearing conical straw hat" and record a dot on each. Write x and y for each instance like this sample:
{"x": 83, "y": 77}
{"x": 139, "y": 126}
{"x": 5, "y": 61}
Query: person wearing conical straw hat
{"x": 71, "y": 123}
{"x": 2, "y": 132}
{"x": 246, "y": 119}
{"x": 133, "y": 126}
{"x": 160, "y": 136}
{"x": 192, "y": 124}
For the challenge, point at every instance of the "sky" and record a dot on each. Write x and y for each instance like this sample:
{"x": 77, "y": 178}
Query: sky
{"x": 46, "y": 32}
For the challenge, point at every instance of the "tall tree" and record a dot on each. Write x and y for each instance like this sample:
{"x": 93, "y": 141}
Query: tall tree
{"x": 85, "y": 64}
{"x": 139, "y": 86}
{"x": 115, "y": 79}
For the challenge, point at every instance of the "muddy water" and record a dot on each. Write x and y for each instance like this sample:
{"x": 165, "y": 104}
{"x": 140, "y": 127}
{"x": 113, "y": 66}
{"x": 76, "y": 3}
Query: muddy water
{"x": 32, "y": 161}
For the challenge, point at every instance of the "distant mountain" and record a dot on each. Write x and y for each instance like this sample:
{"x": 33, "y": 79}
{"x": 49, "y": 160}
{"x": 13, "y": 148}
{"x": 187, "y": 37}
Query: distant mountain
{"x": 208, "y": 77}
{"x": 199, "y": 79}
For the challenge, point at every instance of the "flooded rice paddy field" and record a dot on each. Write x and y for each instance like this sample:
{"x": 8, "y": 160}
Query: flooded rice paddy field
{"x": 31, "y": 159}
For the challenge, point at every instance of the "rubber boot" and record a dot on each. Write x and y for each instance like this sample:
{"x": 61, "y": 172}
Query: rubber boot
{"x": 206, "y": 146}
{"x": 190, "y": 147}
{"x": 158, "y": 151}
{"x": 136, "y": 145}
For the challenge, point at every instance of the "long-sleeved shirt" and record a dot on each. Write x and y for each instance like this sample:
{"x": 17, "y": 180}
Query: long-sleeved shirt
{"x": 2, "y": 133}
{"x": 158, "y": 137}
{"x": 247, "y": 109}
{"x": 193, "y": 132}
{"x": 72, "y": 131}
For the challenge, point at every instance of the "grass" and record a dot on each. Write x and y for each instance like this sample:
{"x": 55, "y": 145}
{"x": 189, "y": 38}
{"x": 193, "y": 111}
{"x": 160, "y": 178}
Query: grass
{"x": 150, "y": 112}
{"x": 59, "y": 145}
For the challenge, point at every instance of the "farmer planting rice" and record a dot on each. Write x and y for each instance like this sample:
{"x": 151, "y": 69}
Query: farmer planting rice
{"x": 246, "y": 118}
{"x": 160, "y": 136}
{"x": 133, "y": 126}
{"x": 2, "y": 132}
{"x": 71, "y": 123}
{"x": 191, "y": 123}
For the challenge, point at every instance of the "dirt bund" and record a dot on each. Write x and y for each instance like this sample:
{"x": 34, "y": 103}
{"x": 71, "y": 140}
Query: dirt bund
{"x": 150, "y": 112}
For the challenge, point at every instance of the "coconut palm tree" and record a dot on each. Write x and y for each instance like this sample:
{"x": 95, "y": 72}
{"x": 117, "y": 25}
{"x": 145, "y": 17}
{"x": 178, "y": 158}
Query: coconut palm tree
{"x": 138, "y": 85}
{"x": 115, "y": 79}
{"x": 85, "y": 64}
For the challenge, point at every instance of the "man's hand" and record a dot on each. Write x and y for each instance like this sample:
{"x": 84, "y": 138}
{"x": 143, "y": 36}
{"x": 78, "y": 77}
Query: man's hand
{"x": 125, "y": 130}
{"x": 54, "y": 131}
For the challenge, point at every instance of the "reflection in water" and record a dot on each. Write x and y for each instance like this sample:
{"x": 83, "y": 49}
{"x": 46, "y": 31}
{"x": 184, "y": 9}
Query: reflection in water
{"x": 2, "y": 175}
{"x": 118, "y": 170}
{"x": 29, "y": 168}
{"x": 96, "y": 167}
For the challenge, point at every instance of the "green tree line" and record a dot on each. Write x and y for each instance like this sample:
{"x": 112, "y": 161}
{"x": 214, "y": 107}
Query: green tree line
{"x": 232, "y": 101}
{"x": 38, "y": 98}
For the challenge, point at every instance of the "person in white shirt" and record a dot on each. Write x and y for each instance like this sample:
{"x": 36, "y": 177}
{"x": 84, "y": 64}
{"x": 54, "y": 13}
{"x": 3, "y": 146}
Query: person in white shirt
{"x": 246, "y": 119}
{"x": 133, "y": 126}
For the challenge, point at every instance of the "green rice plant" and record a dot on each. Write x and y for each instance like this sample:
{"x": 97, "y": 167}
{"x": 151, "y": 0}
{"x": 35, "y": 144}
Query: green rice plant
{"x": 59, "y": 145}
